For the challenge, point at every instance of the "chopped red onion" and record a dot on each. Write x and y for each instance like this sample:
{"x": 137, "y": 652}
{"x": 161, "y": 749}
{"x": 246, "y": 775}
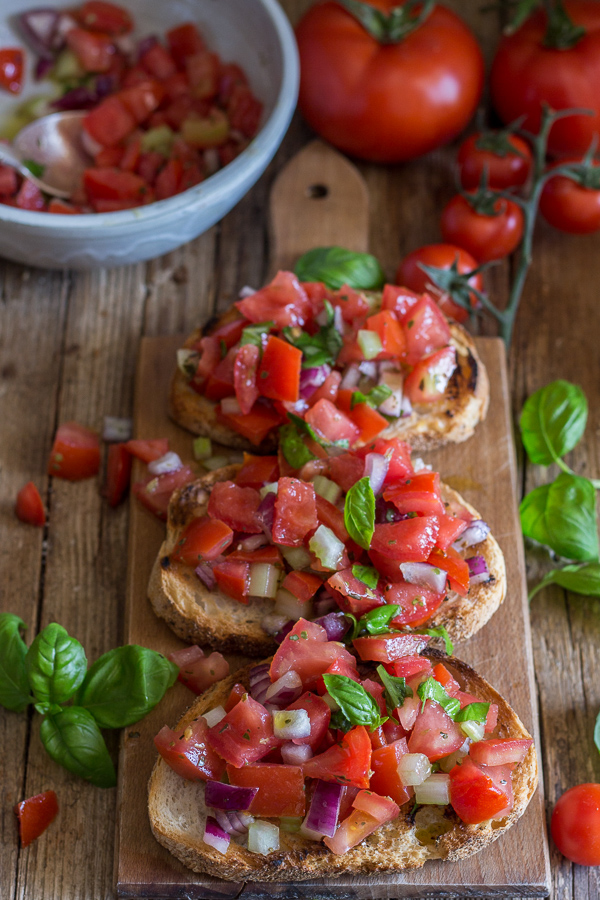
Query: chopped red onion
{"x": 335, "y": 624}
{"x": 281, "y": 635}
{"x": 170, "y": 462}
{"x": 215, "y": 836}
{"x": 42, "y": 68}
{"x": 232, "y": 821}
{"x": 228, "y": 796}
{"x": 350, "y": 378}
{"x": 425, "y": 575}
{"x": 478, "y": 570}
{"x": 475, "y": 532}
{"x": 376, "y": 468}
{"x": 324, "y": 809}
{"x": 116, "y": 429}
{"x": 295, "y": 754}
{"x": 38, "y": 27}
{"x": 311, "y": 379}
{"x": 64, "y": 25}
{"x": 77, "y": 98}
{"x": 206, "y": 576}
{"x": 266, "y": 513}
{"x": 285, "y": 690}
{"x": 324, "y": 604}
{"x": 253, "y": 542}
{"x": 105, "y": 84}
{"x": 260, "y": 681}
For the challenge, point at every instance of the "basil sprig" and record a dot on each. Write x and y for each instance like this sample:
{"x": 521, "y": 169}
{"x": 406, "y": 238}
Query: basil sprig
{"x": 336, "y": 266}
{"x": 253, "y": 334}
{"x": 376, "y": 621}
{"x": 562, "y": 515}
{"x": 317, "y": 349}
{"x": 396, "y": 689}
{"x": 356, "y": 704}
{"x": 579, "y": 579}
{"x": 367, "y": 574}
{"x": 430, "y": 689}
{"x": 473, "y": 712}
{"x": 119, "y": 689}
{"x": 375, "y": 397}
{"x": 553, "y": 421}
{"x": 359, "y": 512}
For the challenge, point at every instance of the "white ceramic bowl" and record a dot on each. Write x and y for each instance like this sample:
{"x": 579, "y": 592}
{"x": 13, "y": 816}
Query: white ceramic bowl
{"x": 254, "y": 33}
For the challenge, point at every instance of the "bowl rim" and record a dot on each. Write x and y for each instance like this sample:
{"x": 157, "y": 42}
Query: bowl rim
{"x": 234, "y": 175}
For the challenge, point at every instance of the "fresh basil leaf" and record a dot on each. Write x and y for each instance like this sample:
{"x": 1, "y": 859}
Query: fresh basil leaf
{"x": 14, "y": 685}
{"x": 304, "y": 428}
{"x": 293, "y": 447}
{"x": 375, "y": 397}
{"x": 47, "y": 709}
{"x": 597, "y": 733}
{"x": 359, "y": 512}
{"x": 359, "y": 707}
{"x": 34, "y": 167}
{"x": 56, "y": 665}
{"x": 125, "y": 684}
{"x": 340, "y": 721}
{"x": 583, "y": 580}
{"x": 318, "y": 349}
{"x": 473, "y": 712}
{"x": 562, "y": 515}
{"x": 441, "y": 633}
{"x": 553, "y": 421}
{"x": 252, "y": 334}
{"x": 396, "y": 689}
{"x": 367, "y": 574}
{"x": 430, "y": 689}
{"x": 377, "y": 621}
{"x": 335, "y": 267}
{"x": 73, "y": 740}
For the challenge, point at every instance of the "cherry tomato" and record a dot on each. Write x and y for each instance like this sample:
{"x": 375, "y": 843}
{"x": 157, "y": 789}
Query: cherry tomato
{"x": 571, "y": 205}
{"x": 11, "y": 69}
{"x": 441, "y": 256}
{"x": 393, "y": 101}
{"x": 505, "y": 158}
{"x": 575, "y": 824}
{"x": 530, "y": 69}
{"x": 29, "y": 507}
{"x": 484, "y": 236}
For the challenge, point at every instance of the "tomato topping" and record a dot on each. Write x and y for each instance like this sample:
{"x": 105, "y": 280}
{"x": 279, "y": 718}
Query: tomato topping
{"x": 245, "y": 735}
{"x": 235, "y": 695}
{"x": 381, "y": 808}
{"x": 500, "y": 751}
{"x": 255, "y": 426}
{"x": 198, "y": 671}
{"x": 387, "y": 326}
{"x": 184, "y": 40}
{"x": 407, "y": 666}
{"x": 35, "y": 814}
{"x": 348, "y": 762}
{"x": 352, "y": 303}
{"x": 369, "y": 422}
{"x": 398, "y": 455}
{"x": 434, "y": 733}
{"x": 233, "y": 578}
{"x": 109, "y": 122}
{"x": 279, "y": 372}
{"x": 398, "y": 299}
{"x": 267, "y": 554}
{"x": 118, "y": 473}
{"x": 319, "y": 714}
{"x": 430, "y": 377}
{"x": 283, "y": 301}
{"x": 295, "y": 512}
{"x": 480, "y": 793}
{"x": 280, "y": 788}
{"x": 425, "y": 328}
{"x": 441, "y": 674}
{"x": 244, "y": 376}
{"x": 355, "y": 827}
{"x": 353, "y": 595}
{"x": 346, "y": 470}
{"x": 147, "y": 451}
{"x": 190, "y": 754}
{"x": 94, "y": 52}
{"x": 388, "y": 647}
{"x": 99, "y": 15}
{"x": 420, "y": 494}
{"x": 257, "y": 470}
{"x": 451, "y": 528}
{"x": 307, "y": 651}
{"x": 11, "y": 69}
{"x": 417, "y": 604}
{"x": 410, "y": 540}
{"x": 331, "y": 423}
{"x": 456, "y": 567}
{"x": 203, "y": 538}
{"x": 29, "y": 507}
{"x": 75, "y": 453}
{"x": 235, "y": 505}
{"x": 155, "y": 493}
{"x": 303, "y": 585}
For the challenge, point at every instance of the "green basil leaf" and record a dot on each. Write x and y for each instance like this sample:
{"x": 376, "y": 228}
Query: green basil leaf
{"x": 359, "y": 707}
{"x": 473, "y": 712}
{"x": 375, "y": 397}
{"x": 583, "y": 580}
{"x": 597, "y": 733}
{"x": 73, "y": 740}
{"x": 335, "y": 267}
{"x": 367, "y": 574}
{"x": 318, "y": 349}
{"x": 14, "y": 685}
{"x": 441, "y": 633}
{"x": 396, "y": 689}
{"x": 56, "y": 665}
{"x": 293, "y": 447}
{"x": 377, "y": 621}
{"x": 430, "y": 689}
{"x": 553, "y": 421}
{"x": 34, "y": 167}
{"x": 359, "y": 513}
{"x": 340, "y": 721}
{"x": 562, "y": 515}
{"x": 125, "y": 684}
{"x": 252, "y": 334}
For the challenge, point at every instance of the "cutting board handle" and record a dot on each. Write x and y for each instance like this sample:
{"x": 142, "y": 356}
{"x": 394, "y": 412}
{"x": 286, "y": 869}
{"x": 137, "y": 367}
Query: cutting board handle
{"x": 319, "y": 199}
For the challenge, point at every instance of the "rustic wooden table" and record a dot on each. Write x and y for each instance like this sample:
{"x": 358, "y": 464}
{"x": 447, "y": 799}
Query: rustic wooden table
{"x": 68, "y": 345}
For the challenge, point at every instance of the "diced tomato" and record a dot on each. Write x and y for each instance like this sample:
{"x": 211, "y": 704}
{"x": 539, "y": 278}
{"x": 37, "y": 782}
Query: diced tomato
{"x": 245, "y": 368}
{"x": 147, "y": 450}
{"x": 257, "y": 470}
{"x": 131, "y": 155}
{"x": 420, "y": 494}
{"x": 198, "y": 671}
{"x": 108, "y": 156}
{"x": 202, "y": 72}
{"x": 284, "y": 302}
{"x": 307, "y": 651}
{"x": 255, "y": 426}
{"x": 235, "y": 695}
{"x": 155, "y": 493}
{"x": 382, "y": 808}
{"x": 303, "y": 585}
{"x": 295, "y": 512}
{"x": 388, "y": 647}
{"x": 355, "y": 828}
{"x": 230, "y": 75}
{"x": 396, "y": 452}
{"x": 29, "y": 507}
{"x": 385, "y": 779}
{"x": 441, "y": 674}
{"x": 332, "y": 517}
{"x": 375, "y": 689}
{"x": 99, "y": 15}
{"x": 109, "y": 122}
{"x": 353, "y": 304}
{"x": 331, "y": 423}
{"x": 118, "y": 473}
{"x": 328, "y": 390}
{"x": 142, "y": 99}
{"x": 451, "y": 528}
{"x": 398, "y": 299}
{"x": 35, "y": 814}
{"x": 94, "y": 51}
{"x": 475, "y": 796}
{"x": 244, "y": 110}
{"x": 387, "y": 326}
{"x": 221, "y": 381}
{"x": 407, "y": 666}
{"x": 279, "y": 371}
{"x": 392, "y": 730}
{"x": 319, "y": 714}
{"x": 369, "y": 422}
{"x": 190, "y": 754}
{"x": 456, "y": 567}
{"x": 30, "y": 197}
{"x": 233, "y": 578}
{"x": 113, "y": 184}
{"x": 236, "y": 505}
{"x": 500, "y": 751}
{"x": 75, "y": 453}
{"x": 346, "y": 469}
{"x": 410, "y": 540}
{"x": 434, "y": 733}
{"x": 346, "y": 763}
{"x": 61, "y": 207}
{"x": 280, "y": 788}
{"x": 429, "y": 379}
{"x": 417, "y": 604}
{"x": 245, "y": 735}
{"x": 8, "y": 181}
{"x": 230, "y": 331}
{"x": 426, "y": 329}
{"x": 340, "y": 666}
{"x": 168, "y": 180}
{"x": 353, "y": 595}
{"x": 267, "y": 554}
{"x": 184, "y": 40}
{"x": 158, "y": 62}
{"x": 11, "y": 69}
{"x": 202, "y": 539}
{"x": 149, "y": 165}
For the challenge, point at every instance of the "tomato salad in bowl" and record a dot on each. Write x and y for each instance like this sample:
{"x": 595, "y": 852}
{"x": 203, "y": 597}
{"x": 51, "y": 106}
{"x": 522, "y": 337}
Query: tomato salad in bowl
{"x": 333, "y": 759}
{"x": 351, "y": 364}
{"x": 356, "y": 538}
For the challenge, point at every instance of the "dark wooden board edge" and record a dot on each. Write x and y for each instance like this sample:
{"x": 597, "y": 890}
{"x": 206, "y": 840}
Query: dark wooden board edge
{"x": 516, "y": 865}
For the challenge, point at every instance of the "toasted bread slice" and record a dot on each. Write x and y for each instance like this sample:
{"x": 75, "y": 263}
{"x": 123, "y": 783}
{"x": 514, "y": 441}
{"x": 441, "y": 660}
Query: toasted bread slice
{"x": 451, "y": 419}
{"x": 178, "y": 812}
{"x": 209, "y": 617}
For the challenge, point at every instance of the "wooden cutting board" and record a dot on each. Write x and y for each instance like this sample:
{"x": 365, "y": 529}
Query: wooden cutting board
{"x": 320, "y": 199}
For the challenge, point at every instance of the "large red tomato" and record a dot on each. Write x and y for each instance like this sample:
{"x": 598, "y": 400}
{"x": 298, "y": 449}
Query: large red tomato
{"x": 531, "y": 68}
{"x": 575, "y": 824}
{"x": 387, "y": 101}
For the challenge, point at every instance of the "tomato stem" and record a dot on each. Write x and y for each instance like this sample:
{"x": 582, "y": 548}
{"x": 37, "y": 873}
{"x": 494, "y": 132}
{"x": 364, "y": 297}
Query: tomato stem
{"x": 393, "y": 27}
{"x": 561, "y": 33}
